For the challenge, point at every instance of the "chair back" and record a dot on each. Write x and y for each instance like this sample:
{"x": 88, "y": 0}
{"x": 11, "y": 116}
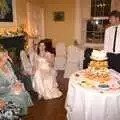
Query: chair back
{"x": 60, "y": 49}
{"x": 25, "y": 62}
{"x": 73, "y": 54}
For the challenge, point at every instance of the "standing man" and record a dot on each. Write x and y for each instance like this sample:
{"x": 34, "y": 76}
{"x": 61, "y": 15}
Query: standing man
{"x": 112, "y": 41}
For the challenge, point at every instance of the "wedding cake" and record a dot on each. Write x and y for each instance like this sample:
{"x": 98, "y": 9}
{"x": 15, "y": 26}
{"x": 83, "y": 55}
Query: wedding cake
{"x": 98, "y": 67}
{"x": 98, "y": 55}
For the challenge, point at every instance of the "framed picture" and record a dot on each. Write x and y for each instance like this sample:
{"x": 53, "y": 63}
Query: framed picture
{"x": 59, "y": 16}
{"x": 7, "y": 12}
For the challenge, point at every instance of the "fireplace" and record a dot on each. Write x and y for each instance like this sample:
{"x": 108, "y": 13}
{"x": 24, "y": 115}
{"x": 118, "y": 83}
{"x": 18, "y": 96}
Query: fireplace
{"x": 14, "y": 45}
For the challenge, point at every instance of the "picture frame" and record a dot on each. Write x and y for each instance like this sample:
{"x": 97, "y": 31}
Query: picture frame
{"x": 7, "y": 13}
{"x": 58, "y": 16}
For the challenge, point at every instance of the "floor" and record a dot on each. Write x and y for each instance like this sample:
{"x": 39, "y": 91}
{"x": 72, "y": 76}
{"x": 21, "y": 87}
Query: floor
{"x": 49, "y": 109}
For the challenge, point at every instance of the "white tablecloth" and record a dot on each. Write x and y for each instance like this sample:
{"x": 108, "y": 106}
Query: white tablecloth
{"x": 89, "y": 104}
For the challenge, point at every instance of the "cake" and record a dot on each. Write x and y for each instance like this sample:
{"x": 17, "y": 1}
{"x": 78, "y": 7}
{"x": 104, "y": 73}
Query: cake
{"x": 98, "y": 67}
{"x": 98, "y": 55}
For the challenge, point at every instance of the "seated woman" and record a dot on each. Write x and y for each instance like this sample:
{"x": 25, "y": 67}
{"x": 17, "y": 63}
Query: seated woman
{"x": 10, "y": 88}
{"x": 44, "y": 80}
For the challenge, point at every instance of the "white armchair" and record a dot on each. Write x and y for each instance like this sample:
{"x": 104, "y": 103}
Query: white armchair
{"x": 74, "y": 60}
{"x": 60, "y": 59}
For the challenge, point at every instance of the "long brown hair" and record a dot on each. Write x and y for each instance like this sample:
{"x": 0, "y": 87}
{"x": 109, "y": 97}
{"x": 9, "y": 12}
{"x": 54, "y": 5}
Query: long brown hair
{"x": 38, "y": 49}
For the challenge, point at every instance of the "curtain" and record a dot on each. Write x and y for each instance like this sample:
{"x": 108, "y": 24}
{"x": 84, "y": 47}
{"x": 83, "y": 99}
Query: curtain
{"x": 35, "y": 21}
{"x": 78, "y": 20}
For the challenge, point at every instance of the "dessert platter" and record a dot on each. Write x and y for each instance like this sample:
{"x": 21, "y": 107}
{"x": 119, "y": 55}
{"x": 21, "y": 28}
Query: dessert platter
{"x": 97, "y": 75}
{"x": 98, "y": 67}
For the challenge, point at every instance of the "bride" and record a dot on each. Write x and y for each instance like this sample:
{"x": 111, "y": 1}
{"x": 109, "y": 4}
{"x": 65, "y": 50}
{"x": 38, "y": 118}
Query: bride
{"x": 44, "y": 80}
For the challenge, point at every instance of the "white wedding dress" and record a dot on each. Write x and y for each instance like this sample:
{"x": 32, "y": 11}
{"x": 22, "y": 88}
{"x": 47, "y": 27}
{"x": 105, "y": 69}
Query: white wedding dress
{"x": 44, "y": 80}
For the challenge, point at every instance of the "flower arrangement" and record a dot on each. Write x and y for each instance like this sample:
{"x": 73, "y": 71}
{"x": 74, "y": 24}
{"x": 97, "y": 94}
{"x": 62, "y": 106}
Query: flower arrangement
{"x": 18, "y": 32}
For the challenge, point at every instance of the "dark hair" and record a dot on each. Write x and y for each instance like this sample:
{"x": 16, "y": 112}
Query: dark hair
{"x": 115, "y": 13}
{"x": 38, "y": 49}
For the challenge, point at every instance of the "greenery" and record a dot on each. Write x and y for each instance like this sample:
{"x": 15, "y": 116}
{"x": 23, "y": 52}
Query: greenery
{"x": 19, "y": 32}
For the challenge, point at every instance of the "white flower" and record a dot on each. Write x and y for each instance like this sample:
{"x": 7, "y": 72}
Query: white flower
{"x": 8, "y": 114}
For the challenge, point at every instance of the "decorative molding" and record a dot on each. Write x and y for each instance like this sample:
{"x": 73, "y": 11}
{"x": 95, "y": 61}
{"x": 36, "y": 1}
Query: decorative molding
{"x": 94, "y": 45}
{"x": 78, "y": 20}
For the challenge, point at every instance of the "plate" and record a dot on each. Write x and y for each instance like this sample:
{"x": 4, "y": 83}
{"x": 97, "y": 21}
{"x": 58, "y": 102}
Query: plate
{"x": 104, "y": 86}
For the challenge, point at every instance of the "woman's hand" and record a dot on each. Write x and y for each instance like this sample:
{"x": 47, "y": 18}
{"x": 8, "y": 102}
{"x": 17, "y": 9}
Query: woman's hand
{"x": 18, "y": 87}
{"x": 50, "y": 58}
{"x": 2, "y": 103}
{"x": 27, "y": 73}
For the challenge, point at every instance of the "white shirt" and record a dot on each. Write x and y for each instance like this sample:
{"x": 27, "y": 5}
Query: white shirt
{"x": 109, "y": 39}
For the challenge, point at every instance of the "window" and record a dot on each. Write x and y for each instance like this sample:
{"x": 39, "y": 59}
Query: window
{"x": 100, "y": 8}
{"x": 99, "y": 20}
{"x": 96, "y": 30}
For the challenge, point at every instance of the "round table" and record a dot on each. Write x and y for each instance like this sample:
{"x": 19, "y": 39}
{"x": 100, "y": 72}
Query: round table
{"x": 89, "y": 103}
